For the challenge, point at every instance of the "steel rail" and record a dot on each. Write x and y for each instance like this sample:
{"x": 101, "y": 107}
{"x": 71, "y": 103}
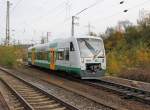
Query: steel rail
{"x": 19, "y": 97}
{"x": 96, "y": 101}
{"x": 127, "y": 91}
{"x": 27, "y": 105}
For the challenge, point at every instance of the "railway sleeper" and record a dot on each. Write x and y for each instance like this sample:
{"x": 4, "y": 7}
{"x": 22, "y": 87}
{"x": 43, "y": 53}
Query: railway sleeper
{"x": 14, "y": 101}
{"x": 43, "y": 102}
{"x": 20, "y": 90}
{"x": 25, "y": 92}
{"x": 17, "y": 105}
{"x": 52, "y": 106}
{"x": 13, "y": 98}
{"x": 39, "y": 100}
{"x": 19, "y": 108}
{"x": 62, "y": 108}
{"x": 31, "y": 97}
{"x": 27, "y": 95}
{"x": 21, "y": 86}
{"x": 23, "y": 89}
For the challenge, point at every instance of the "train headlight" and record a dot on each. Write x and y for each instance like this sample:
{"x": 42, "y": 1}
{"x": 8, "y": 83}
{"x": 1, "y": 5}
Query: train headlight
{"x": 82, "y": 60}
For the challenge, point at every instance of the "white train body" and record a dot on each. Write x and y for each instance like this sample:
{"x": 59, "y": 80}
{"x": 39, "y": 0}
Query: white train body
{"x": 80, "y": 56}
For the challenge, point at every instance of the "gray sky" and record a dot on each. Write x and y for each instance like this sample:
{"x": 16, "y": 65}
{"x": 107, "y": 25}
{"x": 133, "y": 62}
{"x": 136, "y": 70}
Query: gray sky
{"x": 32, "y": 18}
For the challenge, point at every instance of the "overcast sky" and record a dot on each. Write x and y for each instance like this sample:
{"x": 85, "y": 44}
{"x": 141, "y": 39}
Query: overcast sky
{"x": 29, "y": 19}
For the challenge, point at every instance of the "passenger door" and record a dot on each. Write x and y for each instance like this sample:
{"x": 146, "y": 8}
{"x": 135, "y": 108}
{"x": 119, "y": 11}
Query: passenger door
{"x": 52, "y": 59}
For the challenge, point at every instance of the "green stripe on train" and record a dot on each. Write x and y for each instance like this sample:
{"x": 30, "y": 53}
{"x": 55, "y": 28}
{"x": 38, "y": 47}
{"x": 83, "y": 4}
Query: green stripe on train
{"x": 46, "y": 64}
{"x": 42, "y": 63}
{"x": 69, "y": 69}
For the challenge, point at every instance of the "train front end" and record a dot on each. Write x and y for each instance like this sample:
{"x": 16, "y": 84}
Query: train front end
{"x": 92, "y": 57}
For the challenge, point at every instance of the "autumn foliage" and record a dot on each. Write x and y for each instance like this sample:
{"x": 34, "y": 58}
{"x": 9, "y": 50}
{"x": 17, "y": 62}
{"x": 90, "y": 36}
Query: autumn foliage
{"x": 11, "y": 56}
{"x": 129, "y": 49}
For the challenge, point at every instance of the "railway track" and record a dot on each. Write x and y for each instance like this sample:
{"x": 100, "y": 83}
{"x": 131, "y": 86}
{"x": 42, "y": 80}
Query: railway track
{"x": 27, "y": 96}
{"x": 127, "y": 91}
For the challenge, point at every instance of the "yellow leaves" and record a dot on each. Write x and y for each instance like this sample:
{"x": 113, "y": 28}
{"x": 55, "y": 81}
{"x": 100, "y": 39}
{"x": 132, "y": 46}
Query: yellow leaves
{"x": 108, "y": 45}
{"x": 125, "y": 59}
{"x": 113, "y": 64}
{"x": 143, "y": 55}
{"x": 119, "y": 35}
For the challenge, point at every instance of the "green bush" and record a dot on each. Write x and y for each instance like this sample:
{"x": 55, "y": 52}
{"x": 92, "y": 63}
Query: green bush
{"x": 10, "y": 56}
{"x": 128, "y": 50}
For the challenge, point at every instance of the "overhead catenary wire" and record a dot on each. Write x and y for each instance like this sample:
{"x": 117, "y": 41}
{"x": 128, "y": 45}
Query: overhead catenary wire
{"x": 50, "y": 11}
{"x": 16, "y": 5}
{"x": 126, "y": 10}
{"x": 56, "y": 15}
{"x": 100, "y": 18}
{"x": 75, "y": 16}
{"x": 119, "y": 12}
{"x": 90, "y": 6}
{"x": 34, "y": 20}
{"x": 42, "y": 16}
{"x": 53, "y": 10}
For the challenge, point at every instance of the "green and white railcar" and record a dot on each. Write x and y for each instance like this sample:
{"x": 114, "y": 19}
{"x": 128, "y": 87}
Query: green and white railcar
{"x": 80, "y": 56}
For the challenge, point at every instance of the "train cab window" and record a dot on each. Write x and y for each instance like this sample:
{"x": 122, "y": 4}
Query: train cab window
{"x": 67, "y": 54}
{"x": 72, "y": 46}
{"x": 61, "y": 55}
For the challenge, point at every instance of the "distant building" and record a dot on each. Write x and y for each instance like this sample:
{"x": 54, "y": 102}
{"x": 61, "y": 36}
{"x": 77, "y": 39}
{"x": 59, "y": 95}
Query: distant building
{"x": 144, "y": 16}
{"x": 122, "y": 25}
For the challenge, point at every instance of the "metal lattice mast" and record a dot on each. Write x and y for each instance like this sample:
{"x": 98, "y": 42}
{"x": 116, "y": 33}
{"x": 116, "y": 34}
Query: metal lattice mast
{"x": 7, "y": 24}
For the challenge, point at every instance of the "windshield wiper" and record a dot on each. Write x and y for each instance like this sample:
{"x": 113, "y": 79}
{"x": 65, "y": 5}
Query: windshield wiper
{"x": 97, "y": 54}
{"x": 89, "y": 47}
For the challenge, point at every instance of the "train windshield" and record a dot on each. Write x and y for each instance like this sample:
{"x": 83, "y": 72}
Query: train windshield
{"x": 90, "y": 47}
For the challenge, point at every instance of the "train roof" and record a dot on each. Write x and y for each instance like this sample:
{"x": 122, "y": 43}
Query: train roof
{"x": 88, "y": 37}
{"x": 62, "y": 39}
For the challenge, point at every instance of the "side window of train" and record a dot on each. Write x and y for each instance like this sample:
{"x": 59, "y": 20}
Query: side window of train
{"x": 61, "y": 55}
{"x": 29, "y": 54}
{"x": 67, "y": 54}
{"x": 72, "y": 46}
